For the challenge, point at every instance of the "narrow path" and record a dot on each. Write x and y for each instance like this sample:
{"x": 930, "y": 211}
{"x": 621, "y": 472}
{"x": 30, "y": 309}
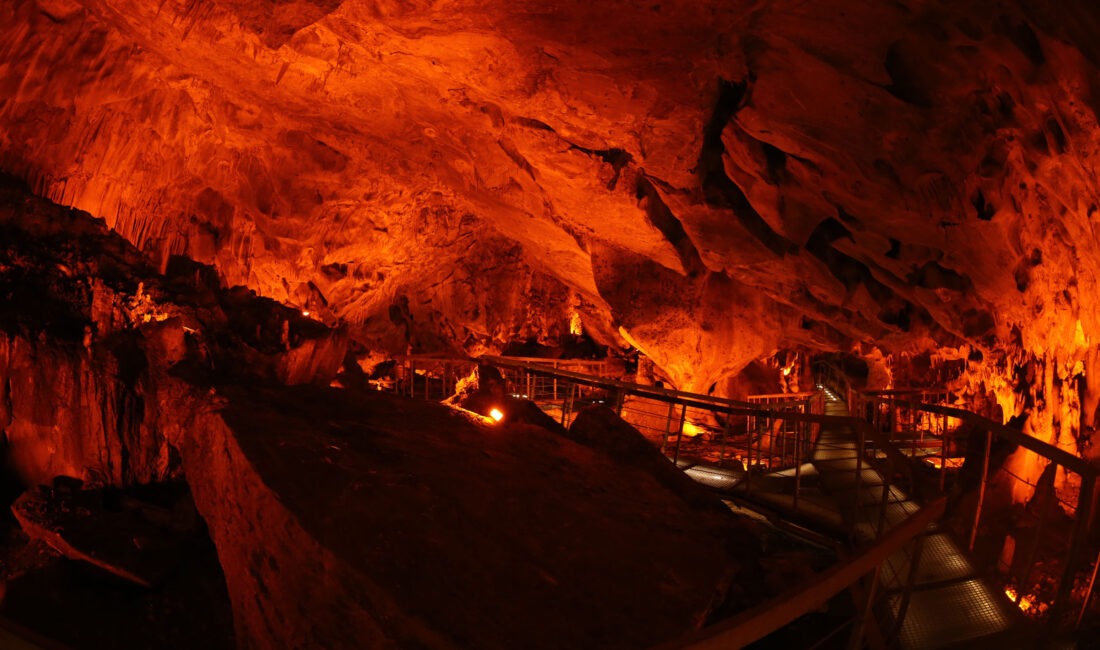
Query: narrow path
{"x": 950, "y": 605}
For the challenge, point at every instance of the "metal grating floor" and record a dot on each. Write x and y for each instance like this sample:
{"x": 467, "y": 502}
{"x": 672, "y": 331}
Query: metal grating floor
{"x": 955, "y": 609}
{"x": 956, "y": 613}
{"x": 940, "y": 561}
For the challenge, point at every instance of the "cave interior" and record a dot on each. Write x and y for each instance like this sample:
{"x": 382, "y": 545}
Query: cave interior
{"x": 527, "y": 324}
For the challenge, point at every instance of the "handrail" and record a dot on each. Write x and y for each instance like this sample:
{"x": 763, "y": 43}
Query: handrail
{"x": 654, "y": 392}
{"x": 897, "y": 459}
{"x": 809, "y": 394}
{"x": 758, "y": 622}
{"x": 1059, "y": 457}
{"x": 1057, "y": 454}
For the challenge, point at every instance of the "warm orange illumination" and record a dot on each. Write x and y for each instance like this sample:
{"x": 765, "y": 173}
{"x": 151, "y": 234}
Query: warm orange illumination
{"x": 576, "y": 327}
{"x": 691, "y": 429}
{"x": 305, "y": 313}
{"x": 496, "y": 415}
{"x": 1026, "y": 602}
{"x": 952, "y": 463}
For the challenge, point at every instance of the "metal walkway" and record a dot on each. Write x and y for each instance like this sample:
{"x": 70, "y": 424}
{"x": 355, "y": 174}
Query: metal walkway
{"x": 948, "y": 605}
{"x": 920, "y": 589}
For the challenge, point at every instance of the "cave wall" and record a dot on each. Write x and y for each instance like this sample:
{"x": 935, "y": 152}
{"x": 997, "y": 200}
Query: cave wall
{"x": 711, "y": 181}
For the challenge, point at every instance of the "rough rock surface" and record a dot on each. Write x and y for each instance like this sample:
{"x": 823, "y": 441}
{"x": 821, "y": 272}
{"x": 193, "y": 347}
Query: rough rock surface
{"x": 709, "y": 181}
{"x": 393, "y": 163}
{"x": 359, "y": 520}
{"x": 122, "y": 541}
{"x": 88, "y": 331}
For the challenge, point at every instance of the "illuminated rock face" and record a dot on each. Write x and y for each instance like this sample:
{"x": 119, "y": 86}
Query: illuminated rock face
{"x": 708, "y": 181}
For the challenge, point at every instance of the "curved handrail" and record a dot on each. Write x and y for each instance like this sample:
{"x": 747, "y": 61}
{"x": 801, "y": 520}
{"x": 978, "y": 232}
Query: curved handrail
{"x": 758, "y": 622}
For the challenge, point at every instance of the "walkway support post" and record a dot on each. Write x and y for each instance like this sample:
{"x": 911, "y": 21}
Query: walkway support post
{"x": 981, "y": 489}
{"x": 1076, "y": 546}
{"x": 943, "y": 454}
{"x": 680, "y": 435}
{"x": 855, "y": 642}
{"x": 668, "y": 426}
{"x": 798, "y": 437}
{"x": 725, "y": 436}
{"x": 910, "y": 581}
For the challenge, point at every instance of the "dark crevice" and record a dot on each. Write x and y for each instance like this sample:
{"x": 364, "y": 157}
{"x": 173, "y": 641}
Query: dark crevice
{"x": 934, "y": 276}
{"x": 905, "y": 77}
{"x": 617, "y": 158}
{"x": 976, "y": 323}
{"x": 1057, "y": 134}
{"x": 847, "y": 218}
{"x": 532, "y": 123}
{"x": 776, "y": 161}
{"x": 853, "y": 273}
{"x": 663, "y": 220}
{"x": 984, "y": 210}
{"x": 848, "y": 270}
{"x": 1026, "y": 40}
{"x": 719, "y": 190}
{"x": 895, "y": 249}
{"x": 828, "y": 231}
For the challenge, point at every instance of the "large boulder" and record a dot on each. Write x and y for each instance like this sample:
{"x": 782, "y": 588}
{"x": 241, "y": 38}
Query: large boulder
{"x": 348, "y": 519}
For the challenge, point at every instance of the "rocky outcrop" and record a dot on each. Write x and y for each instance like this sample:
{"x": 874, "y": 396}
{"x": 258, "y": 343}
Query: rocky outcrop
{"x": 135, "y": 542}
{"x": 75, "y": 412}
{"x": 461, "y": 177}
{"x": 358, "y": 520}
{"x": 90, "y": 331}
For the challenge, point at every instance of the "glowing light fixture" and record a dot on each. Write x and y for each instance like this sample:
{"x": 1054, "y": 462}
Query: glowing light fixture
{"x": 576, "y": 327}
{"x": 305, "y": 313}
{"x": 496, "y": 414}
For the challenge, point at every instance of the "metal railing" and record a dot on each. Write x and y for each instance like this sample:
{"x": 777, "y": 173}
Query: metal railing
{"x": 744, "y": 443}
{"x": 936, "y": 435}
{"x": 760, "y": 621}
{"x": 437, "y": 377}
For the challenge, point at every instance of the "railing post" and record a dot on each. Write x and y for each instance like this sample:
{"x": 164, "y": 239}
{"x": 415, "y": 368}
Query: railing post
{"x": 886, "y": 477}
{"x": 910, "y": 580}
{"x": 1088, "y": 594}
{"x": 668, "y": 426}
{"x": 1044, "y": 506}
{"x": 913, "y": 430}
{"x": 797, "y": 463}
{"x": 566, "y": 403}
{"x": 1076, "y": 544}
{"x": 855, "y": 642}
{"x": 748, "y": 463}
{"x": 981, "y": 489}
{"x": 725, "y": 436}
{"x": 680, "y": 435}
{"x": 943, "y": 454}
{"x": 861, "y": 449}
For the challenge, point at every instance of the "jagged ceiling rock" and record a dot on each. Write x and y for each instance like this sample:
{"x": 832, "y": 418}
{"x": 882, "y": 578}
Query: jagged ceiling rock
{"x": 914, "y": 173}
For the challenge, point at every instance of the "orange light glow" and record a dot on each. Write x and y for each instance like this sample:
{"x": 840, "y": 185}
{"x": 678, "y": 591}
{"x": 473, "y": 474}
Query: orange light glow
{"x": 691, "y": 430}
{"x": 952, "y": 463}
{"x": 496, "y": 414}
{"x": 305, "y": 313}
{"x": 1026, "y": 602}
{"x": 576, "y": 327}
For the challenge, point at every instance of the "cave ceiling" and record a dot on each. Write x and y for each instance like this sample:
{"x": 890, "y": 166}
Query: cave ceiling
{"x": 708, "y": 181}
